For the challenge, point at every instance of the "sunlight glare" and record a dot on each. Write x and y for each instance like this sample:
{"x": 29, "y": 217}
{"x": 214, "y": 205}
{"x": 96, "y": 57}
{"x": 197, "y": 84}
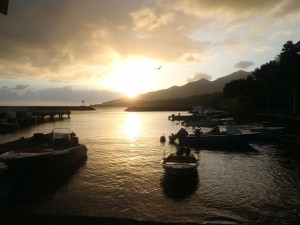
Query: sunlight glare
{"x": 133, "y": 76}
{"x": 132, "y": 126}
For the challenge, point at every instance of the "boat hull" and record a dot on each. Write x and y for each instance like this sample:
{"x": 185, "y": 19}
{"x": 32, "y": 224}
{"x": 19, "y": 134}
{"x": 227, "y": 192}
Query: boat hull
{"x": 44, "y": 160}
{"x": 218, "y": 139}
{"x": 180, "y": 169}
{"x": 201, "y": 123}
{"x": 176, "y": 164}
{"x": 268, "y": 132}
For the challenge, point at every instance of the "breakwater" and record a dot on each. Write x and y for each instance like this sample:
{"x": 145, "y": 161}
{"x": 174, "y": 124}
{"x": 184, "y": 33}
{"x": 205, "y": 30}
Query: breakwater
{"x": 14, "y": 117}
{"x": 43, "y": 108}
{"x": 153, "y": 109}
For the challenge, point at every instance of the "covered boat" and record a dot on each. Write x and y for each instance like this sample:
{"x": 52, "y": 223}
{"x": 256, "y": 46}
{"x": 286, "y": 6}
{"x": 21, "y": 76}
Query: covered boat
{"x": 180, "y": 163}
{"x": 59, "y": 148}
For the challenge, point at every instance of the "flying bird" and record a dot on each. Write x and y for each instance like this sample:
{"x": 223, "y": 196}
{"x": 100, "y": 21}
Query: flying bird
{"x": 158, "y": 68}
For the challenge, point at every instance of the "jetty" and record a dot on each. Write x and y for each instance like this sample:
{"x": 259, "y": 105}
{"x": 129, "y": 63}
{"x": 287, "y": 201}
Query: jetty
{"x": 14, "y": 117}
{"x": 154, "y": 109}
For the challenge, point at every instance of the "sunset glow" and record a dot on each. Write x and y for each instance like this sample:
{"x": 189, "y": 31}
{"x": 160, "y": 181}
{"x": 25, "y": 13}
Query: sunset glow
{"x": 133, "y": 76}
{"x": 132, "y": 126}
{"x": 111, "y": 52}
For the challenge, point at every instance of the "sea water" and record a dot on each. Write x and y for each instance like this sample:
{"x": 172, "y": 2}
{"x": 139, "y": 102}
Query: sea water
{"x": 122, "y": 176}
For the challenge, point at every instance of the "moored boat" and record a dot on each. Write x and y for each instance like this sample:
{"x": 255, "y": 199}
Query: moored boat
{"x": 221, "y": 139}
{"x": 201, "y": 122}
{"x": 44, "y": 152}
{"x": 183, "y": 162}
{"x": 208, "y": 111}
{"x": 228, "y": 134}
{"x": 6, "y": 125}
{"x": 267, "y": 132}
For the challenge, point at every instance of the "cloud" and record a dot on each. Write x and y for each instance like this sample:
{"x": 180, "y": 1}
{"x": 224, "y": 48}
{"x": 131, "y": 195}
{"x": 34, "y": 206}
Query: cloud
{"x": 263, "y": 48}
{"x": 148, "y": 19}
{"x": 235, "y": 8}
{"x": 73, "y": 40}
{"x": 282, "y": 33}
{"x": 20, "y": 87}
{"x": 54, "y": 95}
{"x": 198, "y": 76}
{"x": 243, "y": 64}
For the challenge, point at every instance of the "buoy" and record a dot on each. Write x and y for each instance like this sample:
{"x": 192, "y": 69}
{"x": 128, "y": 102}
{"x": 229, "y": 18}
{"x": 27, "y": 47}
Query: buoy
{"x": 163, "y": 139}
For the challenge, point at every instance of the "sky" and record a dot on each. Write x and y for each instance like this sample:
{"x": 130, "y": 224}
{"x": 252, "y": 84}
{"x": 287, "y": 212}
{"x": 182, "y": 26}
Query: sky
{"x": 63, "y": 52}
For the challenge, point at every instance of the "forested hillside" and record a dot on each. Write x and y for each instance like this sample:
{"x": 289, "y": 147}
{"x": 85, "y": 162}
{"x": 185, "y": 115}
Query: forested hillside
{"x": 274, "y": 87}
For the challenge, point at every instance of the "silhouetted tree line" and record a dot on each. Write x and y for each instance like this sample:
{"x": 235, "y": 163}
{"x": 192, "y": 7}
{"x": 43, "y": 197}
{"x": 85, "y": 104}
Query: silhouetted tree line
{"x": 195, "y": 100}
{"x": 274, "y": 87}
{"x": 179, "y": 103}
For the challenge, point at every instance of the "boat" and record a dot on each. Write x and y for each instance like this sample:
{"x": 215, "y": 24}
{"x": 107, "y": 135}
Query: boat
{"x": 227, "y": 134}
{"x": 182, "y": 162}
{"x": 207, "y": 111}
{"x": 268, "y": 132}
{"x": 43, "y": 151}
{"x": 179, "y": 117}
{"x": 8, "y": 125}
{"x": 201, "y": 122}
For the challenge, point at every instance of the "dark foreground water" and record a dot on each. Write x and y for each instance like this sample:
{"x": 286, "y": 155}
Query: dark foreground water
{"x": 122, "y": 176}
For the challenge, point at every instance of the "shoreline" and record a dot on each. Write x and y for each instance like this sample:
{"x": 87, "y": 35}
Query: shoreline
{"x": 39, "y": 219}
{"x": 36, "y": 219}
{"x": 153, "y": 109}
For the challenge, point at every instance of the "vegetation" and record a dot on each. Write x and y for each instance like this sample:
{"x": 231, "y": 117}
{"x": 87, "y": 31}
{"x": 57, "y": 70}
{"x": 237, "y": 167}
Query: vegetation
{"x": 272, "y": 87}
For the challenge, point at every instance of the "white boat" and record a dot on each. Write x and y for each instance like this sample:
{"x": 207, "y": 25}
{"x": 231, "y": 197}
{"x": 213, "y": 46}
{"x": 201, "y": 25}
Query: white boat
{"x": 43, "y": 152}
{"x": 227, "y": 134}
{"x": 206, "y": 111}
{"x": 180, "y": 163}
{"x": 201, "y": 122}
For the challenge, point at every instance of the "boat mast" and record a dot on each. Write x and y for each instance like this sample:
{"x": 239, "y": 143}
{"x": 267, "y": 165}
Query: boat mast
{"x": 267, "y": 101}
{"x": 294, "y": 103}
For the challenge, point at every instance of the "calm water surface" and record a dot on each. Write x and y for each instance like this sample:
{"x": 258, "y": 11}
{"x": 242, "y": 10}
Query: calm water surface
{"x": 122, "y": 176}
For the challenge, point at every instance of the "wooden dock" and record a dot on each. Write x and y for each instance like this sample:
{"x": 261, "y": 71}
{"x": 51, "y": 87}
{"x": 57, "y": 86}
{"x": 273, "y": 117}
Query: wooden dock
{"x": 29, "y": 115}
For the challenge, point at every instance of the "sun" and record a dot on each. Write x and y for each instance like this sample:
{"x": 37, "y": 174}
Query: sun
{"x": 132, "y": 76}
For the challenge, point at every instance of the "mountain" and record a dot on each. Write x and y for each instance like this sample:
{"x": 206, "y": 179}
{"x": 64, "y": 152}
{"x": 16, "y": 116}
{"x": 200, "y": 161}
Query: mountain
{"x": 200, "y": 87}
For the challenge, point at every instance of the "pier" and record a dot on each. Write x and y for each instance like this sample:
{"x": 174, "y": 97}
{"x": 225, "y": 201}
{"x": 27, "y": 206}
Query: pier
{"x": 13, "y": 117}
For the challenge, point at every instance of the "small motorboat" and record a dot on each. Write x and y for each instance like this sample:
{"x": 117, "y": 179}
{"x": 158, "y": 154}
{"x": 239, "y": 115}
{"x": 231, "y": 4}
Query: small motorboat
{"x": 267, "y": 132}
{"x": 180, "y": 163}
{"x": 59, "y": 148}
{"x": 201, "y": 122}
{"x": 228, "y": 134}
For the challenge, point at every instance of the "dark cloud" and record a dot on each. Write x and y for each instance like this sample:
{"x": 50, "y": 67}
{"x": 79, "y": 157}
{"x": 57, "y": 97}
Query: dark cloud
{"x": 61, "y": 40}
{"x": 243, "y": 64}
{"x": 7, "y": 94}
{"x": 64, "y": 94}
{"x": 20, "y": 87}
{"x": 199, "y": 76}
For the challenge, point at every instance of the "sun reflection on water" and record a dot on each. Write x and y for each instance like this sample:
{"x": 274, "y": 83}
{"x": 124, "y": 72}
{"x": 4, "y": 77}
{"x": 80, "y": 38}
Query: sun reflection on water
{"x": 132, "y": 126}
